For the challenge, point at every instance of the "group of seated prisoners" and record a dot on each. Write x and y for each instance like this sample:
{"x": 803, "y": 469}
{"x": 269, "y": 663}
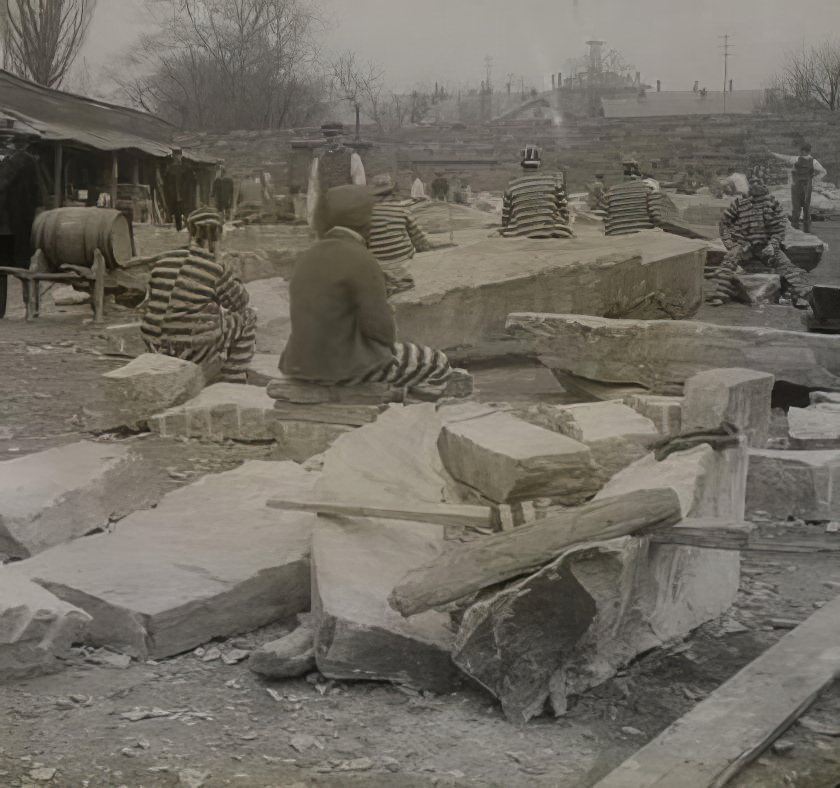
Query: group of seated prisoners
{"x": 343, "y": 330}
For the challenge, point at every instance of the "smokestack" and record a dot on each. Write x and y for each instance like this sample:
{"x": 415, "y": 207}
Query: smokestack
{"x": 658, "y": 85}
{"x": 559, "y": 79}
{"x": 730, "y": 85}
{"x": 638, "y": 78}
{"x": 553, "y": 82}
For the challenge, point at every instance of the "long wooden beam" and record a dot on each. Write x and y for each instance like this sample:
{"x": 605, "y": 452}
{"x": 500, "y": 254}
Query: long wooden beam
{"x": 708, "y": 746}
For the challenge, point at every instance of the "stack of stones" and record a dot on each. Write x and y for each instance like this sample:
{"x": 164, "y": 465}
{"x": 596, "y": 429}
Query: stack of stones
{"x": 631, "y": 207}
{"x": 536, "y": 207}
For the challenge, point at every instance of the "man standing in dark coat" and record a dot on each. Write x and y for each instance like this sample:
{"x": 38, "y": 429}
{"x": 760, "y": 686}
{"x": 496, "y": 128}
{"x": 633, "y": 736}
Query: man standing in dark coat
{"x": 222, "y": 192}
{"x": 179, "y": 188}
{"x": 21, "y": 195}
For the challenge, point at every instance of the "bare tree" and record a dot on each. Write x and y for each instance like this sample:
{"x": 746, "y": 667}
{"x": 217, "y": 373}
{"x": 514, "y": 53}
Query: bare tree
{"x": 359, "y": 85}
{"x": 223, "y": 64}
{"x": 811, "y": 77}
{"x": 42, "y": 38}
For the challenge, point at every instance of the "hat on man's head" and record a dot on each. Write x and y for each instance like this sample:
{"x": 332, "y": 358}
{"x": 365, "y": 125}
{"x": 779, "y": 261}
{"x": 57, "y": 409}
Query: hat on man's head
{"x": 531, "y": 157}
{"x": 348, "y": 206}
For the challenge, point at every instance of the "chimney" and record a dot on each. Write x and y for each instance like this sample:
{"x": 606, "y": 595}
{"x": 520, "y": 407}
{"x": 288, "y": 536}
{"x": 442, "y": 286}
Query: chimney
{"x": 638, "y": 78}
{"x": 553, "y": 82}
{"x": 658, "y": 85}
{"x": 559, "y": 80}
{"x": 730, "y": 85}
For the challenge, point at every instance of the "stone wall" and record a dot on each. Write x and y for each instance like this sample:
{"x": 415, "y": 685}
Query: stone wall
{"x": 487, "y": 156}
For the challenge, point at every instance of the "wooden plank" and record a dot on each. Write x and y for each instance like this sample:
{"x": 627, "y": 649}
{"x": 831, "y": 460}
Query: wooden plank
{"x": 437, "y": 514}
{"x": 723, "y": 733}
{"x": 464, "y": 569}
{"x": 714, "y": 534}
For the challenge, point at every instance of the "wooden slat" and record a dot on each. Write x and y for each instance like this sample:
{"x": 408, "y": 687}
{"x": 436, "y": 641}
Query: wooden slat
{"x": 436, "y": 514}
{"x": 711, "y": 533}
{"x": 464, "y": 569}
{"x": 723, "y": 733}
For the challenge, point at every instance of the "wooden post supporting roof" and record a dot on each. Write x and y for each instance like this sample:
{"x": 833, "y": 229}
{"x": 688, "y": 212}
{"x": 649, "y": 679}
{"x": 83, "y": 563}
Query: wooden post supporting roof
{"x": 58, "y": 168}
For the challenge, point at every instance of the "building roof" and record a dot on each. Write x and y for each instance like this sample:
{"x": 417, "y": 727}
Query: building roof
{"x": 56, "y": 116}
{"x": 682, "y": 102}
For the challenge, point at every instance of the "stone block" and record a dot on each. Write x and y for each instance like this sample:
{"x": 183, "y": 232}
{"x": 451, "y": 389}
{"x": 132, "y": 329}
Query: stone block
{"x": 289, "y": 391}
{"x": 709, "y": 483}
{"x": 664, "y": 412}
{"x": 507, "y": 459}
{"x": 462, "y": 295}
{"x": 67, "y": 295}
{"x": 762, "y": 288}
{"x": 739, "y": 397}
{"x": 571, "y": 625}
{"x": 355, "y": 566}
{"x": 616, "y": 434}
{"x": 36, "y": 628}
{"x": 57, "y": 495}
{"x": 802, "y": 484}
{"x": 662, "y": 354}
{"x": 211, "y": 561}
{"x": 289, "y": 656}
{"x": 349, "y": 415}
{"x": 300, "y": 440}
{"x": 149, "y": 384}
{"x": 124, "y": 339}
{"x": 815, "y": 427}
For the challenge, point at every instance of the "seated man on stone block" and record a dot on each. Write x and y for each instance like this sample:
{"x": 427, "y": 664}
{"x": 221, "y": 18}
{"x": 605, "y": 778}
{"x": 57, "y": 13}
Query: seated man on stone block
{"x": 753, "y": 229}
{"x": 195, "y": 309}
{"x": 343, "y": 329}
{"x": 534, "y": 204}
{"x": 395, "y": 237}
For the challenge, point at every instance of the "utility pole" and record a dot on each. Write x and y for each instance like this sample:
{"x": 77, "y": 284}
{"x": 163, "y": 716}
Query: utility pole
{"x": 726, "y": 51}
{"x": 488, "y": 70}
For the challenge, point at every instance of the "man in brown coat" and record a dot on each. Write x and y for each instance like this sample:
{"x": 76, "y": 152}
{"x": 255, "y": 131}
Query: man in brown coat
{"x": 343, "y": 328}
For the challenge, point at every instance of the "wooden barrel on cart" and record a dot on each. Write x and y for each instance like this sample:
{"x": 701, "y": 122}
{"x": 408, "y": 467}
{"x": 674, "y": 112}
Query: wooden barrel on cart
{"x": 69, "y": 236}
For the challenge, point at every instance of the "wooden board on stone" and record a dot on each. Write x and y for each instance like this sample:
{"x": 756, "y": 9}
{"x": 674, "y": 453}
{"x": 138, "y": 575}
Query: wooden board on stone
{"x": 351, "y": 415}
{"x": 733, "y": 725}
{"x": 661, "y": 355}
{"x": 465, "y": 568}
{"x": 286, "y": 389}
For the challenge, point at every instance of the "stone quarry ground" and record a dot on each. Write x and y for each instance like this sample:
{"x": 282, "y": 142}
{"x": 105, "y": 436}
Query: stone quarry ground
{"x": 226, "y": 726}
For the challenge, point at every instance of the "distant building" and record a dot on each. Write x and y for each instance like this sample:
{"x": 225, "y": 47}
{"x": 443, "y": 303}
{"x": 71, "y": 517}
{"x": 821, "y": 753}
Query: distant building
{"x": 682, "y": 102}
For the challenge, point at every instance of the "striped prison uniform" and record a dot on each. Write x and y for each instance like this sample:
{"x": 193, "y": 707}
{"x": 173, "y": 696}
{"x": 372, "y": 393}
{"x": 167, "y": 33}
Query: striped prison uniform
{"x": 197, "y": 311}
{"x": 535, "y": 206}
{"x": 395, "y": 237}
{"x": 748, "y": 227}
{"x": 412, "y": 365}
{"x": 631, "y": 207}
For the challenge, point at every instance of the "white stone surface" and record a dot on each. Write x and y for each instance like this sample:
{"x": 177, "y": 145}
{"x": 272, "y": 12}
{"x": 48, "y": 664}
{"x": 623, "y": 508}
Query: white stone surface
{"x": 124, "y": 339}
{"x": 664, "y": 412}
{"x": 212, "y": 560}
{"x": 815, "y": 427}
{"x": 56, "y": 495}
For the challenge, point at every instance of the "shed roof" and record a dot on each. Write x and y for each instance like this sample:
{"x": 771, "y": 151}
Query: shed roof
{"x": 65, "y": 117}
{"x": 682, "y": 102}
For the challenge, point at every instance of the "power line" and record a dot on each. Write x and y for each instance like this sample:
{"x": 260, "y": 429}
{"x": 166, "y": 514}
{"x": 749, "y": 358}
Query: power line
{"x": 727, "y": 47}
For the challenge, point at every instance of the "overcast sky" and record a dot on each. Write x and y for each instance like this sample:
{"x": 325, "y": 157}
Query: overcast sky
{"x": 414, "y": 41}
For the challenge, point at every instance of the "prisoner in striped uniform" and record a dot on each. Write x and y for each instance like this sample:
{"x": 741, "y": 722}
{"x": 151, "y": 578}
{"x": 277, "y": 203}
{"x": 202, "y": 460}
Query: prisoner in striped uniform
{"x": 343, "y": 329}
{"x": 753, "y": 230}
{"x": 395, "y": 237}
{"x": 534, "y": 204}
{"x": 632, "y": 206}
{"x": 196, "y": 309}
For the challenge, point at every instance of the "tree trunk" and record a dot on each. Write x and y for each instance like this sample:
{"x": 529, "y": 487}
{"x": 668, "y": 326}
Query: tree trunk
{"x": 358, "y": 121}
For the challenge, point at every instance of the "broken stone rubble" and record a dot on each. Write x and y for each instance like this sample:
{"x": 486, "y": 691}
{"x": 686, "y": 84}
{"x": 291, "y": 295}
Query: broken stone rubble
{"x": 60, "y": 494}
{"x": 664, "y": 412}
{"x": 289, "y": 656}
{"x": 37, "y": 629}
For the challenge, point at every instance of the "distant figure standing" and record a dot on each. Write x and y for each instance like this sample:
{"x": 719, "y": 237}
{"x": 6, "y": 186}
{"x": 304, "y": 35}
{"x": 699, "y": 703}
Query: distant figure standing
{"x": 21, "y": 195}
{"x": 418, "y": 190}
{"x": 222, "y": 192}
{"x": 806, "y": 169}
{"x": 440, "y": 188}
{"x": 179, "y": 188}
{"x": 597, "y": 193}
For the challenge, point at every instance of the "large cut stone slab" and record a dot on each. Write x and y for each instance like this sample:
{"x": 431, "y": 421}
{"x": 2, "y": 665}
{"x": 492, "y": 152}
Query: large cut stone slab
{"x": 664, "y": 412}
{"x": 815, "y": 427}
{"x": 571, "y": 625}
{"x": 210, "y": 561}
{"x": 738, "y": 397}
{"x": 803, "y": 484}
{"x": 355, "y": 566}
{"x": 56, "y": 495}
{"x": 709, "y": 483}
{"x": 662, "y": 355}
{"x": 149, "y": 384}
{"x": 462, "y": 295}
{"x": 616, "y": 434}
{"x": 231, "y": 411}
{"x": 36, "y": 628}
{"x": 508, "y": 459}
